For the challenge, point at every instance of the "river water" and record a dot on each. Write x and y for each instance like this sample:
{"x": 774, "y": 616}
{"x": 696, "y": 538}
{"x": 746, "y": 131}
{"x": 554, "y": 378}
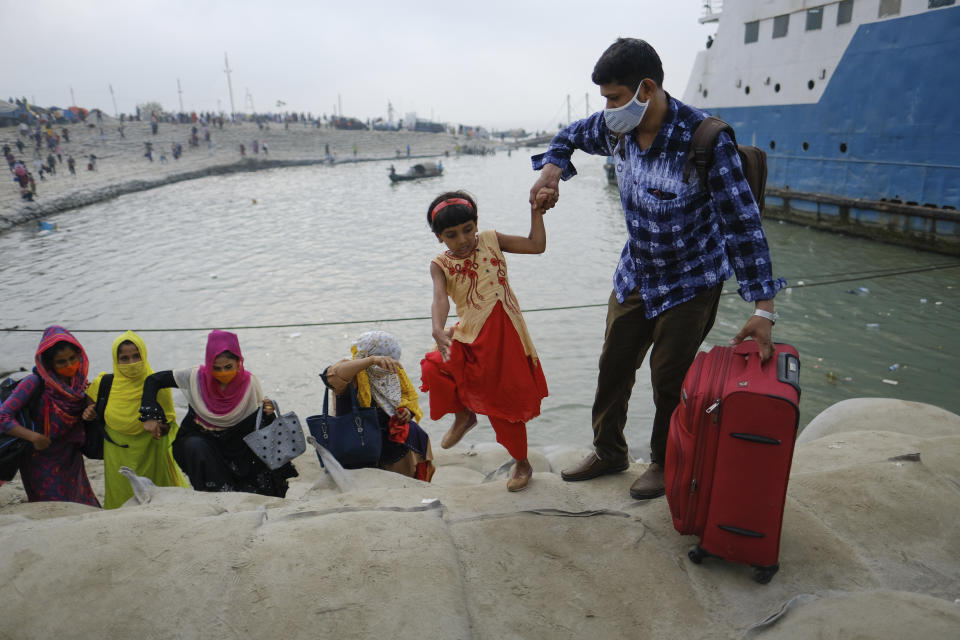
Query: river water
{"x": 342, "y": 245}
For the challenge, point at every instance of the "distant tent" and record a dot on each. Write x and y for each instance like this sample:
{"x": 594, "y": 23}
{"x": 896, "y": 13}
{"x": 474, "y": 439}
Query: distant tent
{"x": 62, "y": 114}
{"x": 8, "y": 109}
{"x": 80, "y": 112}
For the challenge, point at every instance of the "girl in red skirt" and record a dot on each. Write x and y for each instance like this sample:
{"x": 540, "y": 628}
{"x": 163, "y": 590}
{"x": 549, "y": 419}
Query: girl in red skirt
{"x": 486, "y": 363}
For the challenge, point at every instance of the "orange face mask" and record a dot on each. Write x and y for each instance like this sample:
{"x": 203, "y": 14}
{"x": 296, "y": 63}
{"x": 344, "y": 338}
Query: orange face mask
{"x": 69, "y": 371}
{"x": 225, "y": 376}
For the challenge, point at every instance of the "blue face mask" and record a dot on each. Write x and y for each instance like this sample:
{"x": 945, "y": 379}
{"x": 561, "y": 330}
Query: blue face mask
{"x": 626, "y": 118}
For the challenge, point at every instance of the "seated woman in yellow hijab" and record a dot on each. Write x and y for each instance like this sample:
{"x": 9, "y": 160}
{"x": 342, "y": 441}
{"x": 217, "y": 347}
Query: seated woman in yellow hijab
{"x": 376, "y": 373}
{"x": 129, "y": 445}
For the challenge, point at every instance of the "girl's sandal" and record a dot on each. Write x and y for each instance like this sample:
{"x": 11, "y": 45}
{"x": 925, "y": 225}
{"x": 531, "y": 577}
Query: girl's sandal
{"x": 519, "y": 482}
{"x": 455, "y": 434}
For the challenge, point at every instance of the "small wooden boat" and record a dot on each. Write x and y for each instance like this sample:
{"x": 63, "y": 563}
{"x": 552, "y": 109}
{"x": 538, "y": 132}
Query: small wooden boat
{"x": 416, "y": 172}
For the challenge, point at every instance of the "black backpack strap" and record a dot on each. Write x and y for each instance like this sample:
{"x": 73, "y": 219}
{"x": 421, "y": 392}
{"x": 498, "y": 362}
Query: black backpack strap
{"x": 103, "y": 394}
{"x": 702, "y": 144}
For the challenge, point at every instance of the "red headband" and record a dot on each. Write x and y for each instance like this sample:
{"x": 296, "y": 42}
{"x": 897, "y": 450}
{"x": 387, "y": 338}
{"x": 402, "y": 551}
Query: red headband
{"x": 446, "y": 203}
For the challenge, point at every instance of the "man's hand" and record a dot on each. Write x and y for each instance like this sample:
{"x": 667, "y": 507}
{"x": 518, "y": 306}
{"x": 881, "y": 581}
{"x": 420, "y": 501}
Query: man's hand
{"x": 549, "y": 178}
{"x": 761, "y": 330}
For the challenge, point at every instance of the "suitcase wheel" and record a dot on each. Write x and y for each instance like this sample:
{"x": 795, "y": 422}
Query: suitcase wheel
{"x": 697, "y": 554}
{"x": 764, "y": 574}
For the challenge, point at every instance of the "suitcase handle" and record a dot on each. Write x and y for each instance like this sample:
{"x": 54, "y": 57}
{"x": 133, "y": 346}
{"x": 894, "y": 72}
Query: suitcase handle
{"x": 788, "y": 370}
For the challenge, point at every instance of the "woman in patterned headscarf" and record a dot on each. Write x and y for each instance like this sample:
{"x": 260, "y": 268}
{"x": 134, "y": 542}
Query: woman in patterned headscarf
{"x": 54, "y": 395}
{"x": 376, "y": 373}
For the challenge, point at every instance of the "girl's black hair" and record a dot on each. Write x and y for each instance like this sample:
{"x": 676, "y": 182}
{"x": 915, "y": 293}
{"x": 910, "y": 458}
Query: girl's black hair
{"x": 453, "y": 214}
{"x": 130, "y": 342}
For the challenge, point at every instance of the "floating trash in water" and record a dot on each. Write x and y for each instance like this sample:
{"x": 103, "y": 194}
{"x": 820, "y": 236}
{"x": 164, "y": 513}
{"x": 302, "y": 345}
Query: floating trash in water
{"x": 863, "y": 290}
{"x": 873, "y": 325}
{"x": 799, "y": 283}
{"x": 848, "y": 379}
{"x": 894, "y": 366}
{"x": 923, "y": 301}
{"x": 213, "y": 276}
{"x": 938, "y": 302}
{"x": 889, "y": 381}
{"x": 831, "y": 377}
{"x": 789, "y": 290}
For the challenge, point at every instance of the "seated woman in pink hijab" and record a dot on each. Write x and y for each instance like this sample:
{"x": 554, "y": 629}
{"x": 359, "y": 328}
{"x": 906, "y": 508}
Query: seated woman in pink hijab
{"x": 224, "y": 400}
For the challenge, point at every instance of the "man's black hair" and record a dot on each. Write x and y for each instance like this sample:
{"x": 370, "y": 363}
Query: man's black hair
{"x": 628, "y": 61}
{"x": 453, "y": 214}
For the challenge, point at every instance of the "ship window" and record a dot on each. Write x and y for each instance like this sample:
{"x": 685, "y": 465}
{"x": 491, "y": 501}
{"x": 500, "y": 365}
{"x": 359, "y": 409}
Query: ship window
{"x": 889, "y": 8}
{"x": 810, "y": 84}
{"x": 844, "y": 11}
{"x": 843, "y": 147}
{"x": 773, "y": 144}
{"x": 704, "y": 93}
{"x": 751, "y": 32}
{"x": 933, "y": 4}
{"x": 776, "y": 87}
{"x": 814, "y": 19}
{"x": 746, "y": 90}
{"x": 805, "y": 145}
{"x": 780, "y": 24}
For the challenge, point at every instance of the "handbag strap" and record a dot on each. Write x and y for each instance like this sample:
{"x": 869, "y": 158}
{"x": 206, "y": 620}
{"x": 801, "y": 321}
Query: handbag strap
{"x": 276, "y": 413}
{"x": 354, "y": 402}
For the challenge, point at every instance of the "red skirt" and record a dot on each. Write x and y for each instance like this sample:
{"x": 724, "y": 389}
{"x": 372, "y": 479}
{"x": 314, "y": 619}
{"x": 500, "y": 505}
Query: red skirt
{"x": 491, "y": 376}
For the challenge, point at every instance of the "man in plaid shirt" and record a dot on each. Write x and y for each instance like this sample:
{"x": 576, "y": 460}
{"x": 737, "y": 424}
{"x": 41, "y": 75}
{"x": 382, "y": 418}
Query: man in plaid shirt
{"x": 683, "y": 241}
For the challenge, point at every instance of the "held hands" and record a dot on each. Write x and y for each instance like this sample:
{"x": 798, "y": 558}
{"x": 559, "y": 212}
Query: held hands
{"x": 89, "y": 413}
{"x": 549, "y": 179}
{"x": 268, "y": 408}
{"x": 156, "y": 428}
{"x": 404, "y": 414}
{"x": 545, "y": 199}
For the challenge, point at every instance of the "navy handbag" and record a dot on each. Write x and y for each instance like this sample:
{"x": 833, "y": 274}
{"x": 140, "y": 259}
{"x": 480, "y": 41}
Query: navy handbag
{"x": 353, "y": 439}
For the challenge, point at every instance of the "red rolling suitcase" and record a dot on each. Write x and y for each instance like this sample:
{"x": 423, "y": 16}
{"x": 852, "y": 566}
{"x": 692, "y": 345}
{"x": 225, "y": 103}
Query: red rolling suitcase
{"x": 729, "y": 452}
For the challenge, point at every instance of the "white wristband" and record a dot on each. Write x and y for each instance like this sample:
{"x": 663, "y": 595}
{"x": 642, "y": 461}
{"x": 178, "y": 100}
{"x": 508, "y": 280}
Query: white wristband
{"x": 772, "y": 317}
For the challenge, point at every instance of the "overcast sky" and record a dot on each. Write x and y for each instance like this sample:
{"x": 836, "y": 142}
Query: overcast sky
{"x": 493, "y": 63}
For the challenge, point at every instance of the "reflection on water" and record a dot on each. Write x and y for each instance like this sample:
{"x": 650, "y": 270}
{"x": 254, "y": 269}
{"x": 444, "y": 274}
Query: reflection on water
{"x": 334, "y": 244}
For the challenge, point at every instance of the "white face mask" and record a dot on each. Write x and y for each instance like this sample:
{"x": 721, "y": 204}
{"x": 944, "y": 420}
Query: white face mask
{"x": 626, "y": 118}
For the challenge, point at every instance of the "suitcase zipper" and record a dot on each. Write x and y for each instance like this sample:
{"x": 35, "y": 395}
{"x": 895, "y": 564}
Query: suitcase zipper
{"x": 699, "y": 453}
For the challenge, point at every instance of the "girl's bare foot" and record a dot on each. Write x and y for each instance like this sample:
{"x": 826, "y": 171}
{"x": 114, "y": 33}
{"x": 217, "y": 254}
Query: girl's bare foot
{"x": 464, "y": 421}
{"x": 522, "y": 472}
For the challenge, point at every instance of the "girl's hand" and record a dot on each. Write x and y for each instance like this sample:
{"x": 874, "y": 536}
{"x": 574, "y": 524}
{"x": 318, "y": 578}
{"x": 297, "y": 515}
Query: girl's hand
{"x": 444, "y": 340}
{"x": 404, "y": 414}
{"x": 268, "y": 408}
{"x": 90, "y": 413}
{"x": 385, "y": 362}
{"x": 40, "y": 442}
{"x": 153, "y": 428}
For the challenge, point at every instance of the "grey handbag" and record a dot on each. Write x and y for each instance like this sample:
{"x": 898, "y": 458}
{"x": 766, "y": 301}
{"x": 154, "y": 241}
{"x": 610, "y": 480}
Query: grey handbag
{"x": 279, "y": 442}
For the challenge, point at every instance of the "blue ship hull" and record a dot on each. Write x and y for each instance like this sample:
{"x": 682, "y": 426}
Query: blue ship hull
{"x": 887, "y": 126}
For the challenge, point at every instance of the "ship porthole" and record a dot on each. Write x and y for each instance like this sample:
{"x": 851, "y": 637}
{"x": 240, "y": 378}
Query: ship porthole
{"x": 704, "y": 93}
{"x": 776, "y": 87}
{"x": 773, "y": 144}
{"x": 810, "y": 84}
{"x": 805, "y": 145}
{"x": 746, "y": 90}
{"x": 843, "y": 147}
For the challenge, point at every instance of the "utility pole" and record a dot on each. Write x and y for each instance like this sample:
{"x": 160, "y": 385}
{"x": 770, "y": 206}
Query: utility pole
{"x": 587, "y": 96}
{"x": 249, "y": 98}
{"x": 569, "y": 113}
{"x": 73, "y": 101}
{"x": 390, "y": 113}
{"x": 227, "y": 71}
{"x": 180, "y": 95}
{"x": 339, "y": 106}
{"x": 116, "y": 114}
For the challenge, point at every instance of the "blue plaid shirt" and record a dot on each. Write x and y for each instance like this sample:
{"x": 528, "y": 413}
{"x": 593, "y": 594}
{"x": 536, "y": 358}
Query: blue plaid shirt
{"x": 681, "y": 241}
